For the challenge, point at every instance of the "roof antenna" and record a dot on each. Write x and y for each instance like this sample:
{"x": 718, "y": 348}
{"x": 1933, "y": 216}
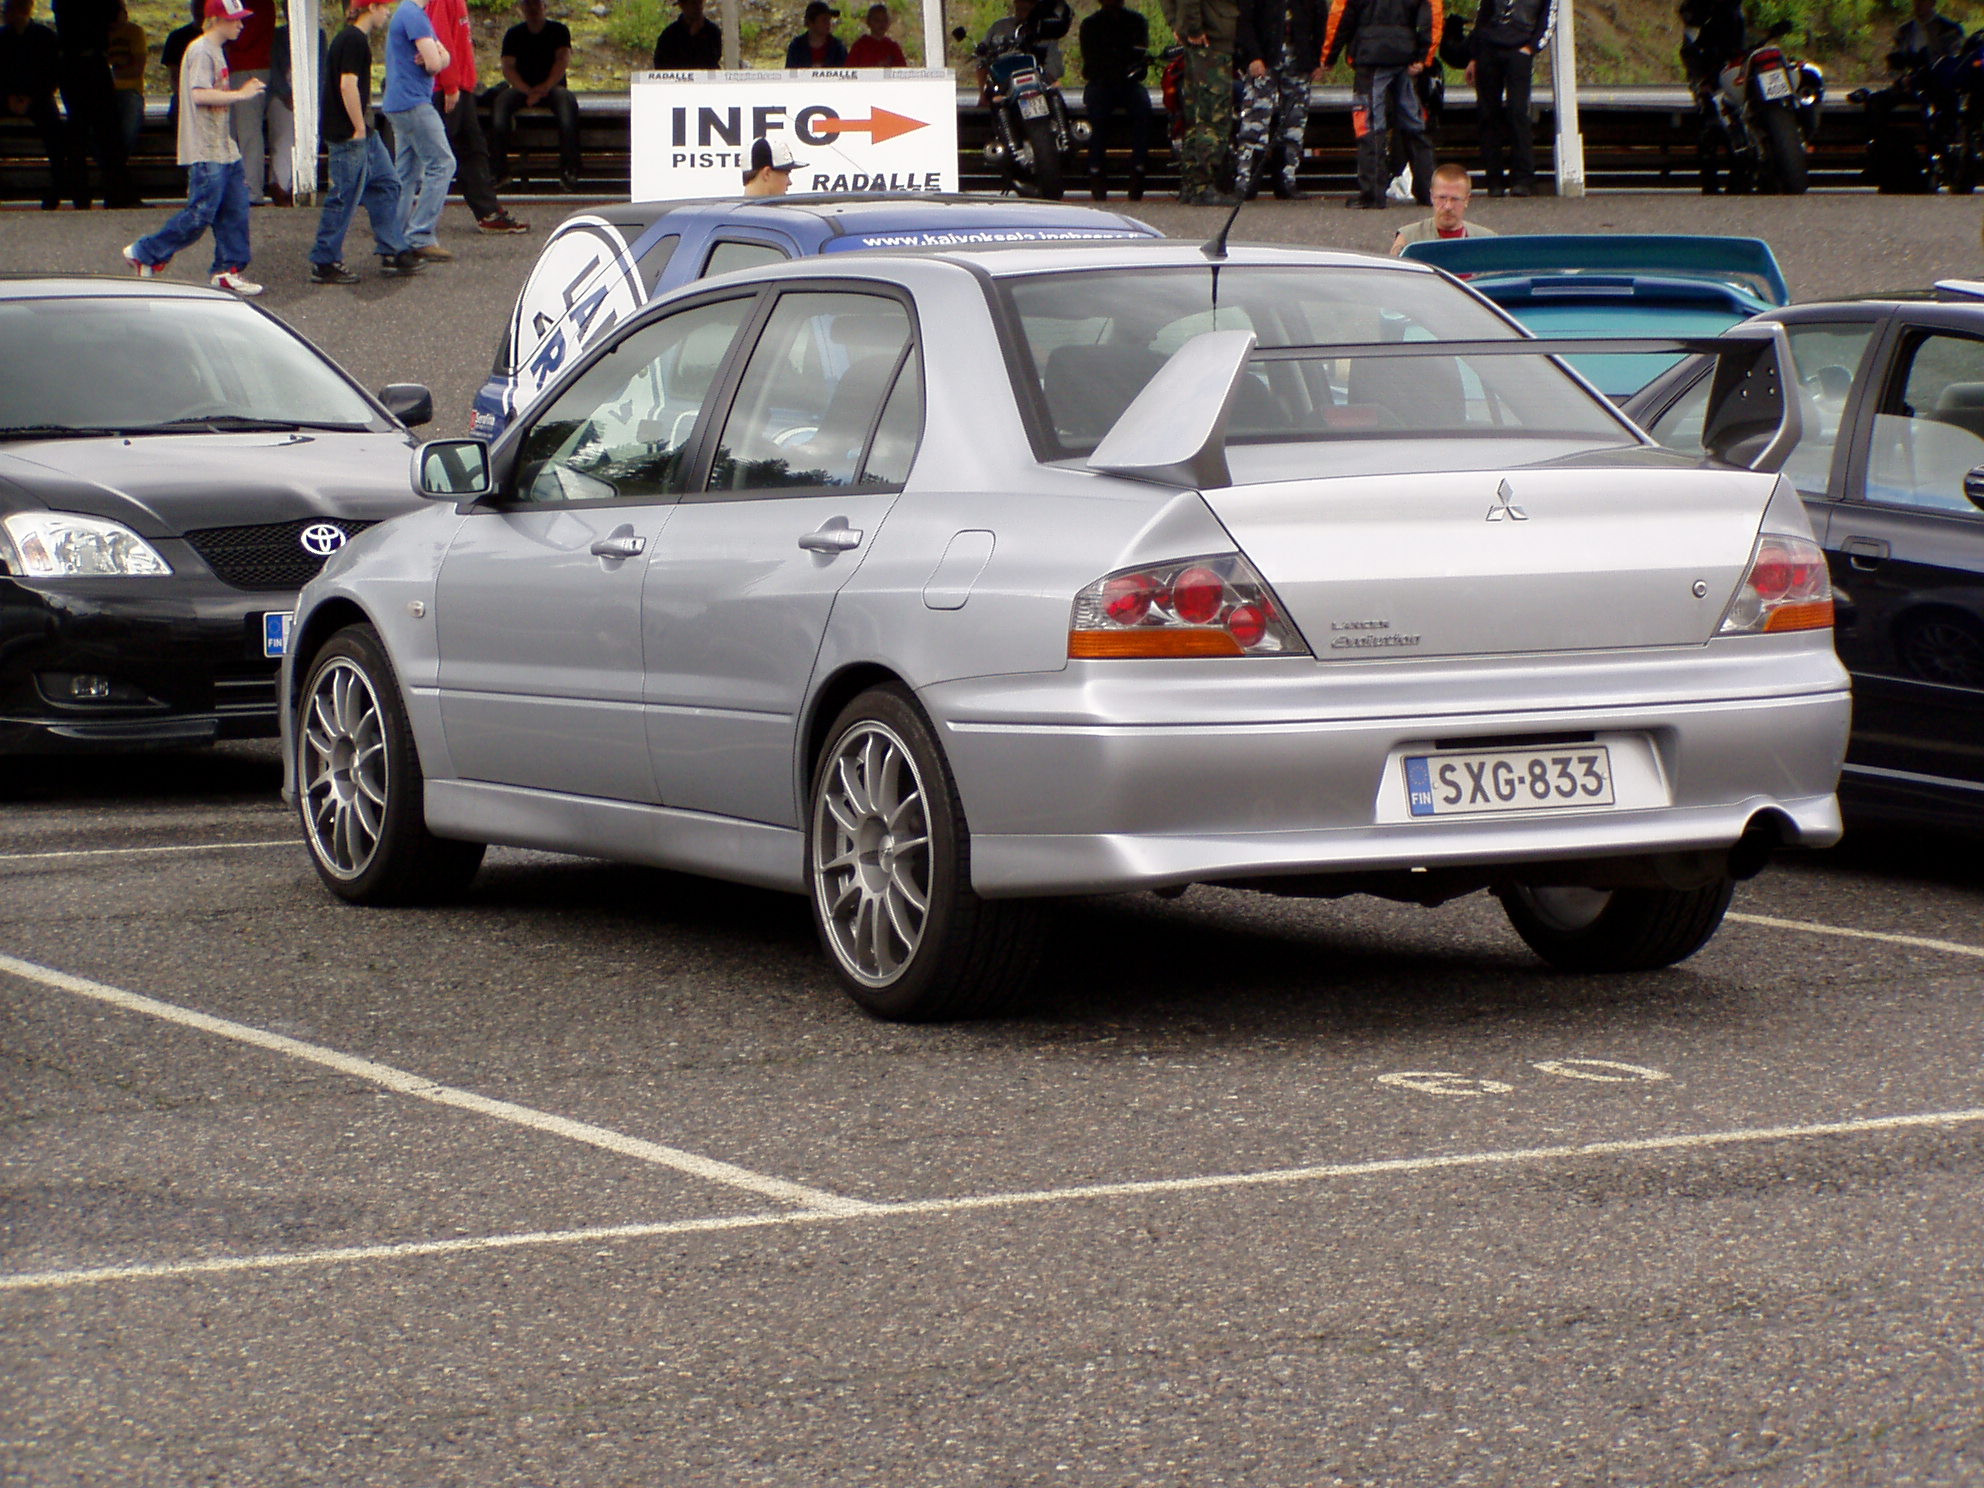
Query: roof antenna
{"x": 1215, "y": 249}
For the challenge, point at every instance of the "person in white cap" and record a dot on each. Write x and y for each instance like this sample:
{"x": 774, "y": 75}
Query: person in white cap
{"x": 772, "y": 165}
{"x": 216, "y": 188}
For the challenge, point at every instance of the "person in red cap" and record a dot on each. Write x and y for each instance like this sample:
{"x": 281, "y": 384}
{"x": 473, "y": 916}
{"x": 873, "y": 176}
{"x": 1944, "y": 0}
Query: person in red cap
{"x": 216, "y": 189}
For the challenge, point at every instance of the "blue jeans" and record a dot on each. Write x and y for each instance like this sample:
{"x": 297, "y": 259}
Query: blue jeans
{"x": 216, "y": 197}
{"x": 361, "y": 172}
{"x": 1100, "y": 99}
{"x": 426, "y": 165}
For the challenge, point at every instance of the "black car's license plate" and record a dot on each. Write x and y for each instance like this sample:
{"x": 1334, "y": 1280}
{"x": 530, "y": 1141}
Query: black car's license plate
{"x": 1462, "y": 783}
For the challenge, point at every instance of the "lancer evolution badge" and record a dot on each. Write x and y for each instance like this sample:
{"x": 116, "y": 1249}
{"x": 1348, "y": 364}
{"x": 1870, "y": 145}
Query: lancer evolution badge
{"x": 1505, "y": 509}
{"x": 321, "y": 538}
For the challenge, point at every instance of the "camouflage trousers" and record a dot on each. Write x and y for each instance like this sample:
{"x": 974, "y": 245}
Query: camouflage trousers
{"x": 1273, "y": 109}
{"x": 1206, "y": 100}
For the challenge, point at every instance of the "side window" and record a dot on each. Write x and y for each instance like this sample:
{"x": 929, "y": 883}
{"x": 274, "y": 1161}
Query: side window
{"x": 1930, "y": 431}
{"x": 732, "y": 254}
{"x": 812, "y": 392}
{"x": 901, "y": 429}
{"x": 655, "y": 261}
{"x": 1827, "y": 358}
{"x": 623, "y": 430}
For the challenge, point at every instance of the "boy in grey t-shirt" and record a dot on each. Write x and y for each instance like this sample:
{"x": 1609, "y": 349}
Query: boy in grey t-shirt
{"x": 216, "y": 189}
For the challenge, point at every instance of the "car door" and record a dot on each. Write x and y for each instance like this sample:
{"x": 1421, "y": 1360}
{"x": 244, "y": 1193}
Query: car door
{"x": 537, "y": 606}
{"x": 1907, "y": 550}
{"x": 815, "y": 445}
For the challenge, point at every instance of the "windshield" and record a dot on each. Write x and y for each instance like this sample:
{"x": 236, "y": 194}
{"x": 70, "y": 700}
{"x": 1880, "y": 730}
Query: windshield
{"x": 135, "y": 365}
{"x": 1089, "y": 342}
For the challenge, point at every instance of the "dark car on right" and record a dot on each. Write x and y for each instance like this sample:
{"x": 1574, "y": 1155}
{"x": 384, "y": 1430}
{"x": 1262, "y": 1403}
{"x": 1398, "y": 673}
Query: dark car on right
{"x": 1891, "y": 467}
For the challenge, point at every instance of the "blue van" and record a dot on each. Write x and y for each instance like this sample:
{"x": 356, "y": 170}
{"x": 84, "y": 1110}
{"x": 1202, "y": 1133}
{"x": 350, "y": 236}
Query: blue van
{"x": 602, "y": 264}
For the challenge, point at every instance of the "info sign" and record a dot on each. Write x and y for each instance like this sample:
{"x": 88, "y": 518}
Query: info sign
{"x": 893, "y": 130}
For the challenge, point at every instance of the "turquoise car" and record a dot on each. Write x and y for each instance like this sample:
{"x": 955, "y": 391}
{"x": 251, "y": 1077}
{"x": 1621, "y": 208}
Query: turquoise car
{"x": 1582, "y": 285}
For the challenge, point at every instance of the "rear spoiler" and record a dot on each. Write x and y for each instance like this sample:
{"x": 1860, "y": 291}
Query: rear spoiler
{"x": 1747, "y": 261}
{"x": 1174, "y": 431}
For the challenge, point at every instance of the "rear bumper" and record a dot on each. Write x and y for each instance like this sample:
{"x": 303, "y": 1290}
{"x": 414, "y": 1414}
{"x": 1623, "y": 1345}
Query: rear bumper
{"x": 1060, "y": 808}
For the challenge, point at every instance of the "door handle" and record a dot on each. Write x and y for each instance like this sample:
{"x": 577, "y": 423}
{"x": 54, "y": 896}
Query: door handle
{"x": 619, "y": 547}
{"x": 1864, "y": 552}
{"x": 831, "y": 540}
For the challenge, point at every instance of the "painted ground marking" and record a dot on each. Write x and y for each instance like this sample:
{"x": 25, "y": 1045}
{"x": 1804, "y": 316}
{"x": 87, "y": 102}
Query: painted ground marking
{"x": 1515, "y": 1157}
{"x": 113, "y": 852}
{"x": 1810, "y": 927}
{"x": 416, "y": 1086}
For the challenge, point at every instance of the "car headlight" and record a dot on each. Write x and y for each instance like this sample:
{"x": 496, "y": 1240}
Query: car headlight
{"x": 63, "y": 545}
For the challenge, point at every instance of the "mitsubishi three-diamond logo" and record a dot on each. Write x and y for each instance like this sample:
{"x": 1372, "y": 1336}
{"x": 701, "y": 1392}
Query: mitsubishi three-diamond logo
{"x": 1504, "y": 508}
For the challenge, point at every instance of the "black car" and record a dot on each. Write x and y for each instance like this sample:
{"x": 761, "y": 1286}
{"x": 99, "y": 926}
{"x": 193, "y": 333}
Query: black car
{"x": 1891, "y": 466}
{"x": 174, "y": 465}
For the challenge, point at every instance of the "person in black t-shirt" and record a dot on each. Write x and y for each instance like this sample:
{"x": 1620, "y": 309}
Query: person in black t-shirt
{"x": 1115, "y": 57}
{"x": 689, "y": 41}
{"x": 174, "y": 52}
{"x": 535, "y": 55}
{"x": 361, "y": 167}
{"x": 30, "y": 63}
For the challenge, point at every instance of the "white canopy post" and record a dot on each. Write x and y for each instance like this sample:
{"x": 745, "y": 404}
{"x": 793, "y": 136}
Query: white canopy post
{"x": 728, "y": 18}
{"x": 305, "y": 83}
{"x": 933, "y": 33}
{"x": 1564, "y": 85}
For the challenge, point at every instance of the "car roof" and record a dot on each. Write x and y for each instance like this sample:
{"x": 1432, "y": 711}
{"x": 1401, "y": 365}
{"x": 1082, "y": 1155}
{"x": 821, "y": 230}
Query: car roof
{"x": 100, "y": 286}
{"x": 854, "y": 215}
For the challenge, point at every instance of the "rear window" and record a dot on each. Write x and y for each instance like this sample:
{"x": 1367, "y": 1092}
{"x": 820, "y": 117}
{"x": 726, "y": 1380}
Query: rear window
{"x": 1087, "y": 343}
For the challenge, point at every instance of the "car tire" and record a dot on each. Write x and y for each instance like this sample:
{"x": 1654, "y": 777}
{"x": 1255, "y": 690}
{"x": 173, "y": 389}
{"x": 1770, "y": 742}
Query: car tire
{"x": 1609, "y": 930}
{"x": 359, "y": 783}
{"x": 888, "y": 858}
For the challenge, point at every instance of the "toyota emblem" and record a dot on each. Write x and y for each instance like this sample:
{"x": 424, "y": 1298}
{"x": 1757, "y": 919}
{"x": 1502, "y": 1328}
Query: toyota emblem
{"x": 321, "y": 538}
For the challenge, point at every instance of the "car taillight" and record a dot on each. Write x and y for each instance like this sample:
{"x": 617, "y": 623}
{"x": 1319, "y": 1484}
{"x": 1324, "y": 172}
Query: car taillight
{"x": 1786, "y": 588}
{"x": 1194, "y": 607}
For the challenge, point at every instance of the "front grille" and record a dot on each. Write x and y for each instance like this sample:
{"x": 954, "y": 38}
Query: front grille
{"x": 268, "y": 557}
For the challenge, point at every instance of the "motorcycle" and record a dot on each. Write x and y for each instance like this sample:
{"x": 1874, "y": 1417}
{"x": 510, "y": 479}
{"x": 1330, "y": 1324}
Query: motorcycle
{"x": 1033, "y": 135}
{"x": 1947, "y": 96}
{"x": 1765, "y": 106}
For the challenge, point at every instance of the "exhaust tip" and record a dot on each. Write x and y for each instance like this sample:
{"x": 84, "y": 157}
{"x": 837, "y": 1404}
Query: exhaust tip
{"x": 1761, "y": 841}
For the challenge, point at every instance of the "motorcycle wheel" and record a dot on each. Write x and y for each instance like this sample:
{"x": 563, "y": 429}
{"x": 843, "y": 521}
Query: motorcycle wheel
{"x": 1045, "y": 143}
{"x": 1784, "y": 153}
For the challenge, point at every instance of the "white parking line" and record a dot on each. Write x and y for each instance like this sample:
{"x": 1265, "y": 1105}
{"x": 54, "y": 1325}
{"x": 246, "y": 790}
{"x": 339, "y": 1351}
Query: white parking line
{"x": 112, "y": 852}
{"x": 1952, "y": 947}
{"x": 398, "y": 1080}
{"x": 1515, "y": 1157}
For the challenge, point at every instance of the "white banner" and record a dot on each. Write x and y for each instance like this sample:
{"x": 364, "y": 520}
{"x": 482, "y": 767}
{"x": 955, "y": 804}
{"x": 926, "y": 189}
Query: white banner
{"x": 894, "y": 130}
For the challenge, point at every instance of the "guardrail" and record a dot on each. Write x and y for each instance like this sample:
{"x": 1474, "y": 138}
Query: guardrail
{"x": 1633, "y": 137}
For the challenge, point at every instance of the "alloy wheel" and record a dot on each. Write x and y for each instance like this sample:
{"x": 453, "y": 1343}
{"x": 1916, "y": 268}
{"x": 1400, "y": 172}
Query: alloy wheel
{"x": 871, "y": 853}
{"x": 341, "y": 768}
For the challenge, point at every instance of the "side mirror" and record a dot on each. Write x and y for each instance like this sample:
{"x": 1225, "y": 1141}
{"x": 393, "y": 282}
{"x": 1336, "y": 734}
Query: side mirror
{"x": 1973, "y": 487}
{"x": 452, "y": 470}
{"x": 408, "y": 402}
{"x": 958, "y": 33}
{"x": 1780, "y": 30}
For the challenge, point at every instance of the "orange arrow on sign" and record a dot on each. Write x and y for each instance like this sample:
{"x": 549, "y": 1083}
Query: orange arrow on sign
{"x": 880, "y": 125}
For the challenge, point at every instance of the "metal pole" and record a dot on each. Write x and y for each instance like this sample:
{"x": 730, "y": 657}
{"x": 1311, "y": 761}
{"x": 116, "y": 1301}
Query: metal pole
{"x": 304, "y": 93}
{"x": 933, "y": 33}
{"x": 1564, "y": 85}
{"x": 733, "y": 41}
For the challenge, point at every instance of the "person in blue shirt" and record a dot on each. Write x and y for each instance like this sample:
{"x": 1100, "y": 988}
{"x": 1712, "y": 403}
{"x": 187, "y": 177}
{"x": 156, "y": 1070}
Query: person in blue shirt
{"x": 817, "y": 46}
{"x": 421, "y": 155}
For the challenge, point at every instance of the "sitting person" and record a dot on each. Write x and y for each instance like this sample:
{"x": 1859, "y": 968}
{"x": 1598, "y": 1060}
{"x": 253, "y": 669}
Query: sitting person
{"x": 689, "y": 42}
{"x": 536, "y": 53}
{"x": 817, "y": 46}
{"x": 877, "y": 48}
{"x": 29, "y": 67}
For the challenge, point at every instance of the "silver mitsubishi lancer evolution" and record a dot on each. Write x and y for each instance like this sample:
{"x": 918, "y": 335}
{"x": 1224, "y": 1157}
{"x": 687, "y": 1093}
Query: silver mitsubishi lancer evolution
{"x": 936, "y": 588}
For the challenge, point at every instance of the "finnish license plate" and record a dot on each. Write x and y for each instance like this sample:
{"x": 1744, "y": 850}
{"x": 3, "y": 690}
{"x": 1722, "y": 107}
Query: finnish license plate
{"x": 1461, "y": 784}
{"x": 275, "y": 632}
{"x": 1034, "y": 107}
{"x": 1775, "y": 84}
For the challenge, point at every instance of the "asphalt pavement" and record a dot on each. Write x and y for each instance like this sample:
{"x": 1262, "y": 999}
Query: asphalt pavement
{"x": 597, "y": 1179}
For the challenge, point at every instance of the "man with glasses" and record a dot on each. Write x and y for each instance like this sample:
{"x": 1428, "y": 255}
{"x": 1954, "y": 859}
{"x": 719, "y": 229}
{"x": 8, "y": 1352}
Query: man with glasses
{"x": 1451, "y": 193}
